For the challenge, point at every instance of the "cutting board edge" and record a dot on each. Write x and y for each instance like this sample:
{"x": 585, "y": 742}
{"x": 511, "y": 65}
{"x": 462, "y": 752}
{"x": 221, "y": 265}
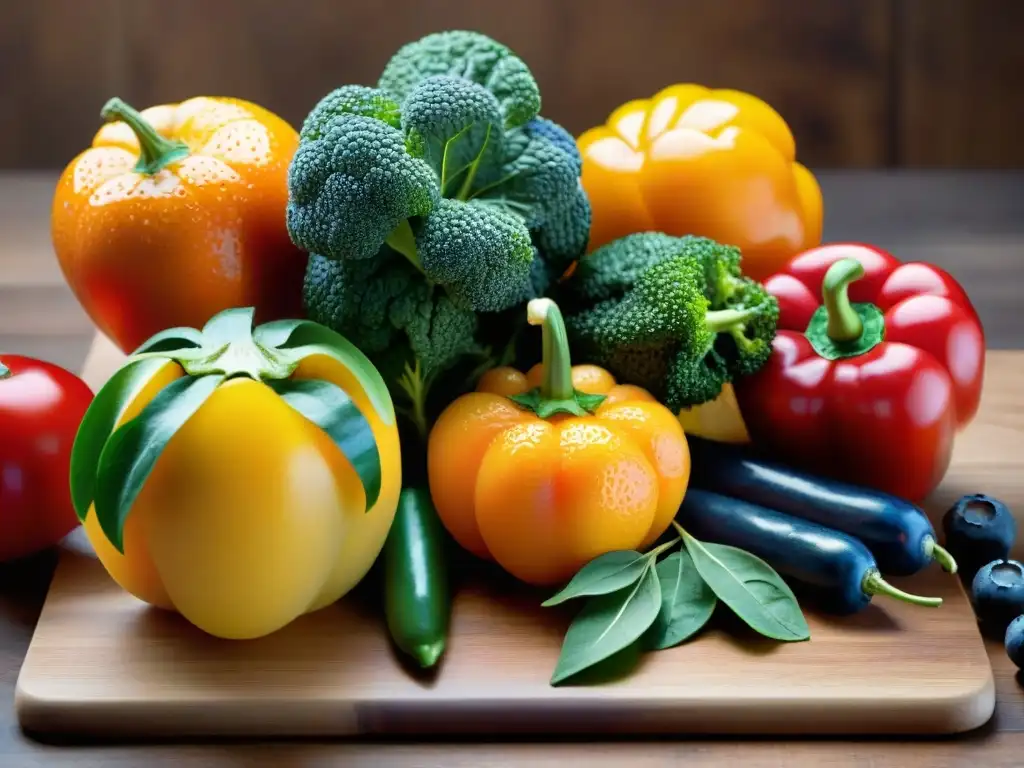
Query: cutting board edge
{"x": 277, "y": 718}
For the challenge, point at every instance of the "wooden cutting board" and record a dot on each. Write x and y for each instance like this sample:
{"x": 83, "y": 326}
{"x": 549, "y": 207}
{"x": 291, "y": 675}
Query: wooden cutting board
{"x": 102, "y": 663}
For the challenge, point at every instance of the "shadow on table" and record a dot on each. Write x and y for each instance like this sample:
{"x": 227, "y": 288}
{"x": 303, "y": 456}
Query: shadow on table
{"x": 23, "y": 586}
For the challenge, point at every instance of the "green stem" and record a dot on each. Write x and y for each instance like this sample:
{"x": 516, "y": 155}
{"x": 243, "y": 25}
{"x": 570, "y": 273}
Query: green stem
{"x": 155, "y": 152}
{"x": 403, "y": 240}
{"x": 874, "y": 584}
{"x": 844, "y": 324}
{"x": 941, "y": 556}
{"x": 728, "y": 319}
{"x": 467, "y": 184}
{"x": 662, "y": 547}
{"x": 557, "y": 381}
{"x": 415, "y": 388}
{"x": 5, "y": 372}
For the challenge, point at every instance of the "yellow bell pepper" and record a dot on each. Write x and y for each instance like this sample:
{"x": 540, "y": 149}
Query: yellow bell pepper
{"x": 695, "y": 161}
{"x": 545, "y": 471}
{"x": 240, "y": 477}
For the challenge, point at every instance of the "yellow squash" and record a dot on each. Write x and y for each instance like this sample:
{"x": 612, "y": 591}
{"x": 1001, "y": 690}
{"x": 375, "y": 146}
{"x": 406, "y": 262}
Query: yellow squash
{"x": 240, "y": 477}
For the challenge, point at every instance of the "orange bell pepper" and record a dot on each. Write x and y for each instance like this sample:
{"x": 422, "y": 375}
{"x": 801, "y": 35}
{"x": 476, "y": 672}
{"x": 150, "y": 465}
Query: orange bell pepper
{"x": 545, "y": 471}
{"x": 694, "y": 161}
{"x": 177, "y": 213}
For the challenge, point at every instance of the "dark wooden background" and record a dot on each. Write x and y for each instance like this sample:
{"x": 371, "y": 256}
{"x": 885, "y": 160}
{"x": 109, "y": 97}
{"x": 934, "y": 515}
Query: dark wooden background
{"x": 863, "y": 83}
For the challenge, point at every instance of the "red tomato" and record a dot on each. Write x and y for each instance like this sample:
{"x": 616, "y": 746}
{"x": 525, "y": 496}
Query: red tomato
{"x": 41, "y": 406}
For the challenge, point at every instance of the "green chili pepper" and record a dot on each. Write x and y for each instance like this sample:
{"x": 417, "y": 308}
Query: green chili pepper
{"x": 416, "y": 592}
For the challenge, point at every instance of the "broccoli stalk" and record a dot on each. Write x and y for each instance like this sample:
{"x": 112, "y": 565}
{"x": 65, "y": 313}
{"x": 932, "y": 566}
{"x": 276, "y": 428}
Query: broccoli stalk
{"x": 673, "y": 315}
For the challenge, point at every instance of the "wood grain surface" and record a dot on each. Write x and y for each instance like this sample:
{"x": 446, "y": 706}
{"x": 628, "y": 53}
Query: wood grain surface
{"x": 971, "y": 223}
{"x": 863, "y": 84}
{"x": 101, "y": 663}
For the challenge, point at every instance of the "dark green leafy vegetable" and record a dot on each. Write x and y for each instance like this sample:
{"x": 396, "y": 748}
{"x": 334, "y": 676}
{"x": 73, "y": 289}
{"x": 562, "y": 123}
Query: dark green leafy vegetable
{"x": 608, "y": 573}
{"x": 687, "y": 584}
{"x": 607, "y": 624}
{"x": 750, "y": 587}
{"x": 687, "y": 603}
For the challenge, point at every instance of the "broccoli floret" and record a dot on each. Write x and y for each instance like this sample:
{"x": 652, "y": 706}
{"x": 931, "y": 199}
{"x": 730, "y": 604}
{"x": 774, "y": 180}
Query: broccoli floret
{"x": 456, "y": 126}
{"x": 482, "y": 255}
{"x": 445, "y": 174}
{"x": 566, "y": 233}
{"x": 354, "y": 297}
{"x": 613, "y": 268}
{"x": 558, "y": 136}
{"x": 470, "y": 56}
{"x": 645, "y": 309}
{"x": 410, "y": 330}
{"x": 354, "y": 185}
{"x": 752, "y": 338}
{"x": 350, "y": 100}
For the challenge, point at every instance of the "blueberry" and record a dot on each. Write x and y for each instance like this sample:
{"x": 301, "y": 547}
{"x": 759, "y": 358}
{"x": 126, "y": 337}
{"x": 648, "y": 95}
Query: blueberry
{"x": 979, "y": 529}
{"x": 998, "y": 593}
{"x": 1015, "y": 641}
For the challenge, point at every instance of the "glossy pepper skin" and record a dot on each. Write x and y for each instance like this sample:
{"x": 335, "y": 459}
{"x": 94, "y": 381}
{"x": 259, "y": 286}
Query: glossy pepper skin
{"x": 876, "y": 366}
{"x": 41, "y": 405}
{"x": 695, "y": 161}
{"x": 176, "y": 213}
{"x": 271, "y": 499}
{"x": 542, "y": 472}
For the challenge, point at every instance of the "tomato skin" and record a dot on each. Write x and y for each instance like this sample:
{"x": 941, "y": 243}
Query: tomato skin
{"x": 41, "y": 406}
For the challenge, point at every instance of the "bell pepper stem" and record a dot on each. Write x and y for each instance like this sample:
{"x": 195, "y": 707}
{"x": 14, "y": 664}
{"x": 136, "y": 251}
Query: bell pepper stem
{"x": 155, "y": 151}
{"x": 557, "y": 381}
{"x": 874, "y": 584}
{"x": 844, "y": 324}
{"x": 556, "y": 393}
{"x": 941, "y": 555}
{"x": 5, "y": 372}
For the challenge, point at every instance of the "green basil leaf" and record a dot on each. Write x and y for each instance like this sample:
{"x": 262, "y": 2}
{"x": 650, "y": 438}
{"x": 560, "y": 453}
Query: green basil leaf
{"x": 132, "y": 451}
{"x": 329, "y": 407}
{"x": 609, "y": 572}
{"x": 687, "y": 603}
{"x": 751, "y": 588}
{"x": 98, "y": 422}
{"x": 296, "y": 340}
{"x": 607, "y": 624}
{"x": 171, "y": 340}
{"x": 229, "y": 325}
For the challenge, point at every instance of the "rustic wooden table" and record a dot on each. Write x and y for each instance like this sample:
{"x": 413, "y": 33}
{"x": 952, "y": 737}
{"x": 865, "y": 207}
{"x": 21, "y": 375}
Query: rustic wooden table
{"x": 969, "y": 223}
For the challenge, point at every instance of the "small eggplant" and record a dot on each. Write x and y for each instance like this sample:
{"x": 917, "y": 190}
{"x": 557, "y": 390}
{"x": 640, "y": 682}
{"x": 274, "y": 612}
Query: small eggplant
{"x": 836, "y": 566}
{"x": 898, "y": 533}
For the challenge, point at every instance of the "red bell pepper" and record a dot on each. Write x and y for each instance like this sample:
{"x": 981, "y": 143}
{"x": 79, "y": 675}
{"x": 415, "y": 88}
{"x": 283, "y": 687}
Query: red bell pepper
{"x": 41, "y": 407}
{"x": 875, "y": 367}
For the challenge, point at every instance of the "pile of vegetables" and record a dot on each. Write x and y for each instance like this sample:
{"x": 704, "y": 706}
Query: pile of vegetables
{"x": 451, "y": 324}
